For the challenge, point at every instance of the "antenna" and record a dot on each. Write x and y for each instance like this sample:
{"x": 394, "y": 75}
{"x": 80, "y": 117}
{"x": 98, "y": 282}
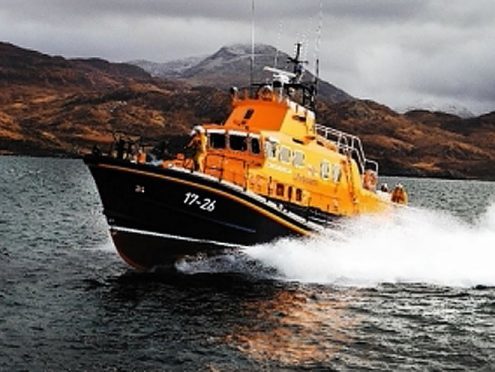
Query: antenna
{"x": 279, "y": 35}
{"x": 317, "y": 49}
{"x": 317, "y": 77}
{"x": 251, "y": 77}
{"x": 318, "y": 33}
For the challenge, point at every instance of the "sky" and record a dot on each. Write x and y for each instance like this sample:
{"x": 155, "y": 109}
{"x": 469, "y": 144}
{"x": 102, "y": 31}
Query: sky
{"x": 402, "y": 53}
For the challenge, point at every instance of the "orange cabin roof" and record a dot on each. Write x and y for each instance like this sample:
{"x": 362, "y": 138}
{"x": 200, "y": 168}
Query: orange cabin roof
{"x": 274, "y": 115}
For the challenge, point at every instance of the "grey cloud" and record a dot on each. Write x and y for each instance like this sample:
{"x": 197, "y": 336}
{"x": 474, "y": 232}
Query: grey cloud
{"x": 238, "y": 10}
{"x": 389, "y": 50}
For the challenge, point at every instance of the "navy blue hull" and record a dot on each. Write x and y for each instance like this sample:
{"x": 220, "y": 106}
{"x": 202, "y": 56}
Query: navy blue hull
{"x": 157, "y": 215}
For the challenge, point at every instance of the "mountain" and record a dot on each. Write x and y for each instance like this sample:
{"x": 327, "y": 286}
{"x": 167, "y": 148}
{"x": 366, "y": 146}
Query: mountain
{"x": 230, "y": 66}
{"x": 22, "y": 66}
{"x": 56, "y": 106}
{"x": 454, "y": 109}
{"x": 166, "y": 70}
{"x": 50, "y": 105}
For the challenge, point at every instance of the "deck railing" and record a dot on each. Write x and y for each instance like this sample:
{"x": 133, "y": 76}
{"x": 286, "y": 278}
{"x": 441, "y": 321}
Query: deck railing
{"x": 347, "y": 144}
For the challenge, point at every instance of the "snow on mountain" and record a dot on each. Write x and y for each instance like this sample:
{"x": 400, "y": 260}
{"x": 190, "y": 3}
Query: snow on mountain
{"x": 448, "y": 108}
{"x": 168, "y": 69}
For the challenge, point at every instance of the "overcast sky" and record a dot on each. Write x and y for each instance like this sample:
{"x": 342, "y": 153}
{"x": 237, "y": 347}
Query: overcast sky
{"x": 403, "y": 53}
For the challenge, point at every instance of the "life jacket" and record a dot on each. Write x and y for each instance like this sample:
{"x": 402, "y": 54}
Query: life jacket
{"x": 399, "y": 195}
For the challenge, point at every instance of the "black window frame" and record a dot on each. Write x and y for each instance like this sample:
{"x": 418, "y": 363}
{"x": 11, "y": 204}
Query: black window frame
{"x": 251, "y": 148}
{"x": 211, "y": 143}
{"x": 238, "y": 136}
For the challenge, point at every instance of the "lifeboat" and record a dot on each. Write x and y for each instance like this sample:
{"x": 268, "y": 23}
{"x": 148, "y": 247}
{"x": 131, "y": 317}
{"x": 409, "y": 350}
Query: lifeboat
{"x": 269, "y": 171}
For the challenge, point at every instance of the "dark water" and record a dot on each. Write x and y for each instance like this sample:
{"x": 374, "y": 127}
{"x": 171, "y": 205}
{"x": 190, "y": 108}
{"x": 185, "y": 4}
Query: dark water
{"x": 68, "y": 302}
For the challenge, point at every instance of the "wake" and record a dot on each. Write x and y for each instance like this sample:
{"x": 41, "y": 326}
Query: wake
{"x": 411, "y": 245}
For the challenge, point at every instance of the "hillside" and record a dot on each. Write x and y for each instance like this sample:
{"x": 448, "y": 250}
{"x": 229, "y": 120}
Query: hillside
{"x": 419, "y": 143}
{"x": 56, "y": 106}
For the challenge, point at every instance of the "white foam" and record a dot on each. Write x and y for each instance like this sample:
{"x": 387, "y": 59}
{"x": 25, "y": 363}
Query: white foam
{"x": 409, "y": 246}
{"x": 107, "y": 246}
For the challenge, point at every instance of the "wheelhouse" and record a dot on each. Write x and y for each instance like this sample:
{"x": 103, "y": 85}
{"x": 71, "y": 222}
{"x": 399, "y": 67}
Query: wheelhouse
{"x": 230, "y": 153}
{"x": 235, "y": 141}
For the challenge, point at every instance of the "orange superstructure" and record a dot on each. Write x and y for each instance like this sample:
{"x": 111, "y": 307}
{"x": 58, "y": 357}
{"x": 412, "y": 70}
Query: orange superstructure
{"x": 271, "y": 145}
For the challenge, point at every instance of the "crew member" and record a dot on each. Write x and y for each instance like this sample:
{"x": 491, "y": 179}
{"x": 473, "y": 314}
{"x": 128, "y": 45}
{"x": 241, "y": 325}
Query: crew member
{"x": 369, "y": 180}
{"x": 399, "y": 195}
{"x": 141, "y": 156}
{"x": 198, "y": 145}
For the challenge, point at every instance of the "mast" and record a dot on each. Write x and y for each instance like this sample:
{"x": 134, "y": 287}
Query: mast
{"x": 298, "y": 68}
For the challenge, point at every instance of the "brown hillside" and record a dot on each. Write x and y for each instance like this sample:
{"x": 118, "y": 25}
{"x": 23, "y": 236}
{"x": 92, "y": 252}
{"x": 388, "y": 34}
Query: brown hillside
{"x": 419, "y": 143}
{"x": 54, "y": 106}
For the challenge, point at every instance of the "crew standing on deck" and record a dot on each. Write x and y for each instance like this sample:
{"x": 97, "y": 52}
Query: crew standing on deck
{"x": 369, "y": 180}
{"x": 198, "y": 145}
{"x": 399, "y": 195}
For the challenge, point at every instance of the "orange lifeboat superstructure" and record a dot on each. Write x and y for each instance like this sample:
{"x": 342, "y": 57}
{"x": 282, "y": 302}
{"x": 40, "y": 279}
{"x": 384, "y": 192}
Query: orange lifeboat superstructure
{"x": 272, "y": 146}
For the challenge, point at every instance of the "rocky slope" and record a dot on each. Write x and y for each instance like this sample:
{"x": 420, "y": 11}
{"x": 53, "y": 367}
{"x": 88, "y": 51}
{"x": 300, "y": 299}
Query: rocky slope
{"x": 420, "y": 143}
{"x": 54, "y": 106}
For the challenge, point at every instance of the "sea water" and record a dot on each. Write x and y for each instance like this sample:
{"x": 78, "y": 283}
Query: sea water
{"x": 410, "y": 290}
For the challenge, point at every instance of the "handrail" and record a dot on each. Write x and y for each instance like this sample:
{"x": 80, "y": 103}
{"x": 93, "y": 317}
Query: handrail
{"x": 347, "y": 144}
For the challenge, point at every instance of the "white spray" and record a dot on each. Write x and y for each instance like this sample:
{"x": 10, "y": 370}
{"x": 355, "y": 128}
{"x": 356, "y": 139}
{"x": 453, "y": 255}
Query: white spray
{"x": 410, "y": 246}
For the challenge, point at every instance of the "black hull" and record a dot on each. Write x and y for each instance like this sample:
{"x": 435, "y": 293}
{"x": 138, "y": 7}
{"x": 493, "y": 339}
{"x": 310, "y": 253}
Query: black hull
{"x": 158, "y": 215}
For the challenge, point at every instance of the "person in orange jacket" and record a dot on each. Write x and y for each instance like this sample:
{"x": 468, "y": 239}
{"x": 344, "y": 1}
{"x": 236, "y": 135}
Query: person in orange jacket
{"x": 399, "y": 195}
{"x": 198, "y": 144}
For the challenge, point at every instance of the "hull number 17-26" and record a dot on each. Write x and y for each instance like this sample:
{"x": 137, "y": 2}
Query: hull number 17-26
{"x": 205, "y": 204}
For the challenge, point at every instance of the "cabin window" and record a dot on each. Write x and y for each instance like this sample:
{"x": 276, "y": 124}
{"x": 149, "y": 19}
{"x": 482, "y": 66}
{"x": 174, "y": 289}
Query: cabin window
{"x": 270, "y": 149}
{"x": 238, "y": 143}
{"x": 280, "y": 189}
{"x": 298, "y": 160}
{"x": 298, "y": 141}
{"x": 289, "y": 193}
{"x": 248, "y": 114}
{"x": 255, "y": 145}
{"x": 325, "y": 170}
{"x": 216, "y": 140}
{"x": 284, "y": 154}
{"x": 298, "y": 195}
{"x": 336, "y": 173}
